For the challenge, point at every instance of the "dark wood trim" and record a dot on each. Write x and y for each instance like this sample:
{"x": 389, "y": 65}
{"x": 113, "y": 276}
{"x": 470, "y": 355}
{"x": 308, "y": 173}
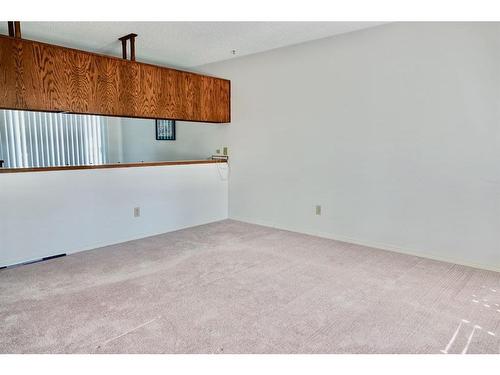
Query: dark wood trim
{"x": 17, "y": 29}
{"x": 124, "y": 49}
{"x": 108, "y": 166}
{"x": 124, "y": 39}
{"x": 11, "y": 28}
{"x": 128, "y": 36}
{"x": 132, "y": 49}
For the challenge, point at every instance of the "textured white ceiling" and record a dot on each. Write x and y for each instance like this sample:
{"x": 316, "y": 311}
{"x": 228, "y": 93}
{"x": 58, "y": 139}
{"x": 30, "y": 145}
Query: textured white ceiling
{"x": 183, "y": 44}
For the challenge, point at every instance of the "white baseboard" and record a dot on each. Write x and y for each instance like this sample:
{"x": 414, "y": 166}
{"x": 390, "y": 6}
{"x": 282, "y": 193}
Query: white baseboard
{"x": 97, "y": 245}
{"x": 377, "y": 245}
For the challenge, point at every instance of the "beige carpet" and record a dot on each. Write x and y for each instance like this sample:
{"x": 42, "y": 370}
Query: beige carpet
{"x": 231, "y": 287}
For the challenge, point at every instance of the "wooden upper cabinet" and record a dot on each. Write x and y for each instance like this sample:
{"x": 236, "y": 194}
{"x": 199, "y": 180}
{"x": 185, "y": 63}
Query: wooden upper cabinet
{"x": 42, "y": 77}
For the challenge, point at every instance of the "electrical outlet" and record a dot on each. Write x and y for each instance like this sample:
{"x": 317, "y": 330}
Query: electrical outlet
{"x": 137, "y": 211}
{"x": 318, "y": 210}
{"x": 224, "y": 151}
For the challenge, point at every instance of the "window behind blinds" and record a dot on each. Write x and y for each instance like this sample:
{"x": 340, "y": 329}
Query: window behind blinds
{"x": 40, "y": 139}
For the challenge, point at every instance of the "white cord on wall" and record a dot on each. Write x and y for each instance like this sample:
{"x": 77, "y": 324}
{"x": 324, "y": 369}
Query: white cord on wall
{"x": 223, "y": 169}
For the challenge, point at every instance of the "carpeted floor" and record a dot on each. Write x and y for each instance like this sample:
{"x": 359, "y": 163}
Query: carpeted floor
{"x": 232, "y": 287}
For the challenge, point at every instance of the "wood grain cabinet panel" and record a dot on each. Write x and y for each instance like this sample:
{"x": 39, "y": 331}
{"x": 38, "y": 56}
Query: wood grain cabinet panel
{"x": 106, "y": 93}
{"x": 43, "y": 77}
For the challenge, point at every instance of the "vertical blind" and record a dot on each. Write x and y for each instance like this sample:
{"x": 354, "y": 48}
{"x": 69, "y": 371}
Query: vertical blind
{"x": 40, "y": 139}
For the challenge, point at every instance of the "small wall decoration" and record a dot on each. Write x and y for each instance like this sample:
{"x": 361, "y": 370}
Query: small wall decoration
{"x": 165, "y": 130}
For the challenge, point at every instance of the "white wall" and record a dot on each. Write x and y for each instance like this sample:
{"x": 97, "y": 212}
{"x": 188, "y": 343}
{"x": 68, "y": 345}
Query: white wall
{"x": 46, "y": 213}
{"x": 193, "y": 141}
{"x": 115, "y": 140}
{"x": 394, "y": 130}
